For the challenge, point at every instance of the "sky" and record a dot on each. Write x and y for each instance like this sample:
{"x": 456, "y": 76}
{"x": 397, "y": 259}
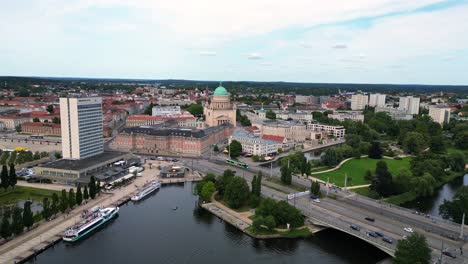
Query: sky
{"x": 334, "y": 41}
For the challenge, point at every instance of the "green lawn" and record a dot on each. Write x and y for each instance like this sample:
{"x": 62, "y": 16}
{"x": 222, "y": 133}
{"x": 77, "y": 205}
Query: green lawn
{"x": 12, "y": 196}
{"x": 293, "y": 233}
{"x": 356, "y": 169}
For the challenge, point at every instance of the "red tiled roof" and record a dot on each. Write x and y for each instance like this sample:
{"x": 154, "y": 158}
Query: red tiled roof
{"x": 273, "y": 137}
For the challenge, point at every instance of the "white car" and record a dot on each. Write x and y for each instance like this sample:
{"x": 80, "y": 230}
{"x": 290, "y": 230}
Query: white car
{"x": 404, "y": 237}
{"x": 316, "y": 200}
{"x": 408, "y": 229}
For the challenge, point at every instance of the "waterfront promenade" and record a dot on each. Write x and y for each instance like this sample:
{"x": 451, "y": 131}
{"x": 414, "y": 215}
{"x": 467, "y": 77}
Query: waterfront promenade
{"x": 47, "y": 233}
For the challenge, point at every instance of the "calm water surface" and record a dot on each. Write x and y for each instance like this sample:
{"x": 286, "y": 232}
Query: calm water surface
{"x": 152, "y": 232}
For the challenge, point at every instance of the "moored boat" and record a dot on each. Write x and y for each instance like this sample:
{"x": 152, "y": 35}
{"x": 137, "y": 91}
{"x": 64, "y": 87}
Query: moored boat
{"x": 93, "y": 221}
{"x": 152, "y": 186}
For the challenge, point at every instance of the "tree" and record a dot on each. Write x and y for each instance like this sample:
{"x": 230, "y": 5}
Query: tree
{"x": 235, "y": 149}
{"x": 401, "y": 181}
{"x": 71, "y": 198}
{"x": 258, "y": 190}
{"x": 92, "y": 187}
{"x": 330, "y": 158}
{"x": 258, "y": 222}
{"x": 50, "y": 109}
{"x": 98, "y": 187}
{"x": 4, "y": 177}
{"x": 54, "y": 208}
{"x": 456, "y": 161}
{"x": 423, "y": 185}
{"x": 368, "y": 176}
{"x": 36, "y": 155}
{"x": 63, "y": 201}
{"x": 85, "y": 193}
{"x": 195, "y": 109}
{"x": 269, "y": 222}
{"x": 382, "y": 182}
{"x": 207, "y": 191}
{"x": 437, "y": 144}
{"x": 17, "y": 225}
{"x": 46, "y": 208}
{"x": 414, "y": 142}
{"x": 270, "y": 114}
{"x": 455, "y": 208}
{"x": 375, "y": 151}
{"x": 36, "y": 120}
{"x": 5, "y": 228}
{"x": 149, "y": 109}
{"x": 79, "y": 196}
{"x": 223, "y": 181}
{"x": 254, "y": 184}
{"x": 56, "y": 120}
{"x": 12, "y": 180}
{"x": 28, "y": 219}
{"x": 315, "y": 188}
{"x": 461, "y": 140}
{"x": 286, "y": 174}
{"x": 413, "y": 250}
{"x": 237, "y": 192}
{"x": 215, "y": 148}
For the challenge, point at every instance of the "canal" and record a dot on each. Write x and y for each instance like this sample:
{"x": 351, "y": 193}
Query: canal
{"x": 430, "y": 205}
{"x": 153, "y": 232}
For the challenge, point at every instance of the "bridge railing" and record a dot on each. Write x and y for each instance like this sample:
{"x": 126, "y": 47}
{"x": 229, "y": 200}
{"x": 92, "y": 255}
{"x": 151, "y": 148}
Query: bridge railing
{"x": 344, "y": 225}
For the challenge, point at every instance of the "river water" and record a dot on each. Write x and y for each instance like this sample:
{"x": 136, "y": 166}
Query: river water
{"x": 152, "y": 232}
{"x": 430, "y": 205}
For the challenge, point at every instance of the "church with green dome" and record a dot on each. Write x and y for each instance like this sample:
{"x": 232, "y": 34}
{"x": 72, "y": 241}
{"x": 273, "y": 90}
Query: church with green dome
{"x": 220, "y": 110}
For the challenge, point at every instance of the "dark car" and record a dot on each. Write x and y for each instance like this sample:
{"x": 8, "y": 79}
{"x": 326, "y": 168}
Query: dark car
{"x": 370, "y": 219}
{"x": 372, "y": 234}
{"x": 175, "y": 160}
{"x": 380, "y": 234}
{"x": 388, "y": 240}
{"x": 355, "y": 227}
{"x": 449, "y": 254}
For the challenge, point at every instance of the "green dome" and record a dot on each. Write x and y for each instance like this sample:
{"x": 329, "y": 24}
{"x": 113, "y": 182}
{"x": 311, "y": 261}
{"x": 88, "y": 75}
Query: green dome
{"x": 220, "y": 91}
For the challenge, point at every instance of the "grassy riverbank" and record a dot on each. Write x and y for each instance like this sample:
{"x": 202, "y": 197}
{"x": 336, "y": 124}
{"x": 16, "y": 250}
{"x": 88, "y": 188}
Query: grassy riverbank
{"x": 356, "y": 170}
{"x": 20, "y": 193}
{"x": 266, "y": 233}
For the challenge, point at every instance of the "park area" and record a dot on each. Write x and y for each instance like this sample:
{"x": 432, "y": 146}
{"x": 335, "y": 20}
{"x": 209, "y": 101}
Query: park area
{"x": 356, "y": 170}
{"x": 13, "y": 196}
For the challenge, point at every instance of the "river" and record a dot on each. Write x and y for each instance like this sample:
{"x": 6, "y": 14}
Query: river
{"x": 430, "y": 205}
{"x": 152, "y": 232}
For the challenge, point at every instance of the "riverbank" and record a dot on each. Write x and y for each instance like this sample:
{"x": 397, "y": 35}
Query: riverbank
{"x": 243, "y": 222}
{"x": 30, "y": 243}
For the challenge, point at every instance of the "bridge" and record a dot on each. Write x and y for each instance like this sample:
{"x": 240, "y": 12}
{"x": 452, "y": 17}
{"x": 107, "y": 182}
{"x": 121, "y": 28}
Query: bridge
{"x": 341, "y": 209}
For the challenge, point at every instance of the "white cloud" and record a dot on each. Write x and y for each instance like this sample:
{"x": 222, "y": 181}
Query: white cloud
{"x": 207, "y": 53}
{"x": 254, "y": 56}
{"x": 340, "y": 46}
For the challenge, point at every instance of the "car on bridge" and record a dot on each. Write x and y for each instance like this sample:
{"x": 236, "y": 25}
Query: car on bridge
{"x": 408, "y": 229}
{"x": 372, "y": 234}
{"x": 449, "y": 254}
{"x": 370, "y": 219}
{"x": 388, "y": 240}
{"x": 355, "y": 227}
{"x": 380, "y": 234}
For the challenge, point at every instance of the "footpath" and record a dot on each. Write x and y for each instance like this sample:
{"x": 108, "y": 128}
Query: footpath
{"x": 48, "y": 233}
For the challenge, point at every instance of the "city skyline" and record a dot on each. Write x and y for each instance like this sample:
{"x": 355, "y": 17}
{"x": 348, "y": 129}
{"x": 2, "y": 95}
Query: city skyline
{"x": 400, "y": 42}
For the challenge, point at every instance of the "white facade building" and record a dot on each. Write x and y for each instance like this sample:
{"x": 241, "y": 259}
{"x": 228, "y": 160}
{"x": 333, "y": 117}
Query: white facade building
{"x": 377, "y": 100}
{"x": 342, "y": 116}
{"x": 81, "y": 124}
{"x": 410, "y": 104}
{"x": 440, "y": 114}
{"x": 359, "y": 101}
{"x": 255, "y": 145}
{"x": 166, "y": 111}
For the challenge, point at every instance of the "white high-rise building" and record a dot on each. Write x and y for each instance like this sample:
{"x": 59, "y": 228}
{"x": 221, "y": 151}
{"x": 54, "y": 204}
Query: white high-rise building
{"x": 377, "y": 100}
{"x": 81, "y": 119}
{"x": 440, "y": 113}
{"x": 410, "y": 104}
{"x": 359, "y": 101}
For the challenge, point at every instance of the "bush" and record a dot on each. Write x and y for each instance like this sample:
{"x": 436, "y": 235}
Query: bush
{"x": 397, "y": 158}
{"x": 254, "y": 201}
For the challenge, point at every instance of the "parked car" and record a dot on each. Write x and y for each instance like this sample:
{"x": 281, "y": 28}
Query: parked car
{"x": 160, "y": 158}
{"x": 388, "y": 240}
{"x": 316, "y": 200}
{"x": 370, "y": 219}
{"x": 355, "y": 227}
{"x": 408, "y": 229}
{"x": 404, "y": 237}
{"x": 449, "y": 254}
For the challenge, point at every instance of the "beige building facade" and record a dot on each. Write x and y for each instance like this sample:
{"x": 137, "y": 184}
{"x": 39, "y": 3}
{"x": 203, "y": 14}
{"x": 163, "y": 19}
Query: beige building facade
{"x": 220, "y": 110}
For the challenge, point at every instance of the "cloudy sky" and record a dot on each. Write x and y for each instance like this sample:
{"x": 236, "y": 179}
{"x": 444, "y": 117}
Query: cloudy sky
{"x": 358, "y": 41}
